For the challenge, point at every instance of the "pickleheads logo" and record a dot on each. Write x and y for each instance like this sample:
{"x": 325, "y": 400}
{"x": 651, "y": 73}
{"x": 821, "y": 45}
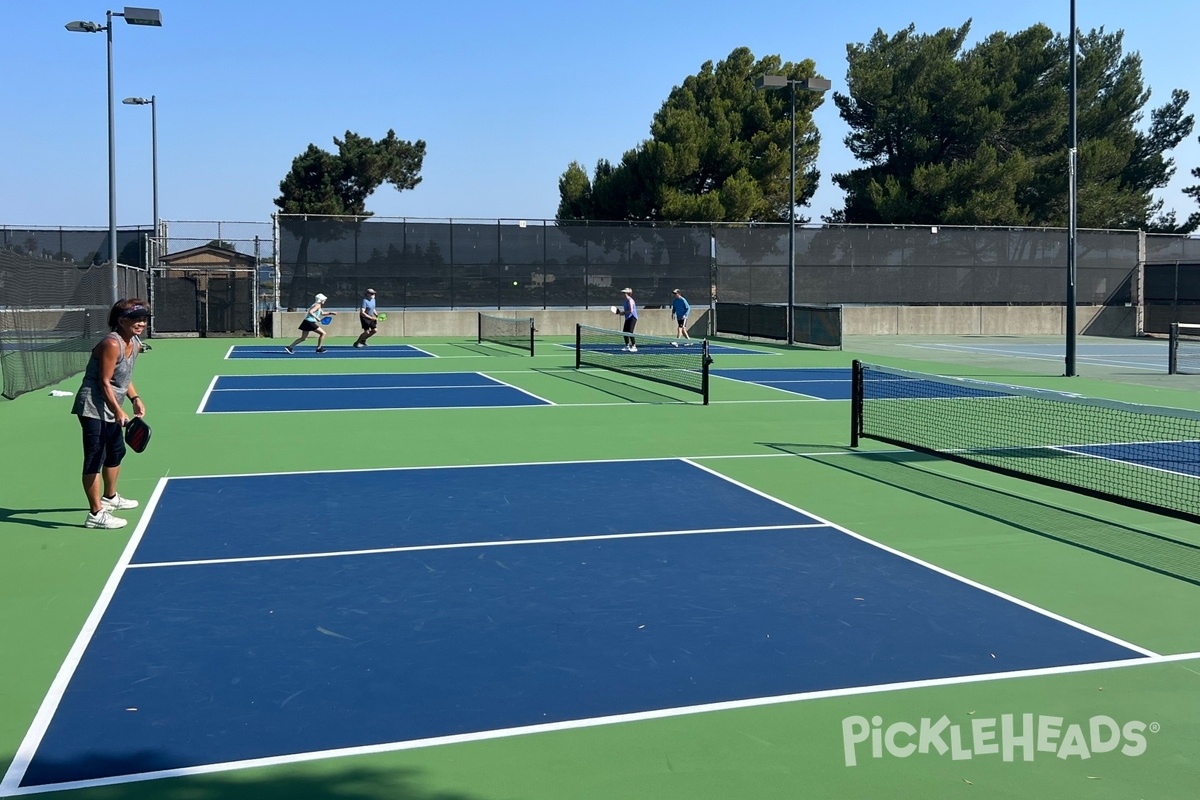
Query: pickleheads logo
{"x": 1027, "y": 734}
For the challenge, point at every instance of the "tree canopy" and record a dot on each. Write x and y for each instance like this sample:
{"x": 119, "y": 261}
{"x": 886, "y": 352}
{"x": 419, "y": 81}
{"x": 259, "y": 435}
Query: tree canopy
{"x": 979, "y": 137}
{"x": 339, "y": 184}
{"x": 719, "y": 150}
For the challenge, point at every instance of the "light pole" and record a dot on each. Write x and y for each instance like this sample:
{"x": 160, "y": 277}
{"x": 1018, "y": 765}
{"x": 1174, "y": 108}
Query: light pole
{"x": 152, "y": 102}
{"x": 808, "y": 85}
{"x": 1072, "y": 199}
{"x": 133, "y": 16}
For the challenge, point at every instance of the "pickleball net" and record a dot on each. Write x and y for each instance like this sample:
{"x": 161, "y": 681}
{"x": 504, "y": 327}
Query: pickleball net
{"x": 680, "y": 363}
{"x": 1147, "y": 457}
{"x": 510, "y": 331}
{"x": 40, "y": 346}
{"x": 1184, "y": 358}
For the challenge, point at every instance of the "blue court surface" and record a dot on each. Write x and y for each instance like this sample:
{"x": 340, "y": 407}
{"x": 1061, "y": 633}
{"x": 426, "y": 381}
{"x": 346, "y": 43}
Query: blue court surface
{"x": 265, "y": 393}
{"x": 823, "y": 384}
{"x": 432, "y": 605}
{"x": 309, "y": 350}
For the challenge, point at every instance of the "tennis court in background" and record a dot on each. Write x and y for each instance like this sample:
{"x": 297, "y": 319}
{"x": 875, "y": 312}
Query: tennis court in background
{"x": 1147, "y": 355}
{"x": 663, "y": 345}
{"x": 332, "y": 352}
{"x": 348, "y": 392}
{"x": 604, "y": 589}
{"x": 822, "y": 384}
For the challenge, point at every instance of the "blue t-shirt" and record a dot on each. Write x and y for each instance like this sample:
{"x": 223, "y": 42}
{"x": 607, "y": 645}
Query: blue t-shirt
{"x": 680, "y": 307}
{"x": 630, "y": 308}
{"x": 368, "y": 307}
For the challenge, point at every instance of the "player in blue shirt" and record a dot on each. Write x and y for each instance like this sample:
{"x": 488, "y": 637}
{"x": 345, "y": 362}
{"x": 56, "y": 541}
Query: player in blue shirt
{"x": 368, "y": 318}
{"x": 680, "y": 309}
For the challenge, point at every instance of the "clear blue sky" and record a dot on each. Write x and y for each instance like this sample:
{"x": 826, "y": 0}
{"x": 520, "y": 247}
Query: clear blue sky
{"x": 505, "y": 95}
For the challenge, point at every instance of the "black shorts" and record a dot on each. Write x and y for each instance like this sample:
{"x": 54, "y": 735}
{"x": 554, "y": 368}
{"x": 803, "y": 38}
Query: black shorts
{"x": 368, "y": 324}
{"x": 308, "y": 325}
{"x": 103, "y": 445}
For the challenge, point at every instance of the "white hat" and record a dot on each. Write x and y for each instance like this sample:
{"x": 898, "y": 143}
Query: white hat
{"x": 627, "y": 290}
{"x": 321, "y": 298}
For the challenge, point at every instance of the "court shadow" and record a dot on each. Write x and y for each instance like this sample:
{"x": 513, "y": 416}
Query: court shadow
{"x": 904, "y": 470}
{"x": 479, "y": 349}
{"x": 610, "y": 386}
{"x": 317, "y": 780}
{"x": 21, "y": 516}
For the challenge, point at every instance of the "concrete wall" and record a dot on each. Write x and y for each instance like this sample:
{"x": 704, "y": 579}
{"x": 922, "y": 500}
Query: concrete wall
{"x": 985, "y": 320}
{"x": 856, "y": 320}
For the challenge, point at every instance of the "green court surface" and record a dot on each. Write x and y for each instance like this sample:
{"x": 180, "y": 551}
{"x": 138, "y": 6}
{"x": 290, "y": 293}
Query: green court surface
{"x": 1098, "y": 564}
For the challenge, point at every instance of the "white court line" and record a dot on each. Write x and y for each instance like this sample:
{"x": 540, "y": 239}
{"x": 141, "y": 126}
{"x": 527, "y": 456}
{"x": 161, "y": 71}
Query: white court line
{"x": 207, "y": 393}
{"x": 518, "y": 389}
{"x": 939, "y": 570}
{"x": 599, "y": 537}
{"x": 746, "y": 382}
{"x": 615, "y": 719}
{"x": 45, "y": 712}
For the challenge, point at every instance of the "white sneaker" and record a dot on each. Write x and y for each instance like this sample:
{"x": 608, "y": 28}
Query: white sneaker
{"x": 625, "y": 349}
{"x": 104, "y": 519}
{"x": 674, "y": 344}
{"x": 633, "y": 348}
{"x": 117, "y": 503}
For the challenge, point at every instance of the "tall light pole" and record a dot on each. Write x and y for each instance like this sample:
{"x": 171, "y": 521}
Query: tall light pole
{"x": 1072, "y": 198}
{"x": 152, "y": 102}
{"x": 808, "y": 85}
{"x": 133, "y": 16}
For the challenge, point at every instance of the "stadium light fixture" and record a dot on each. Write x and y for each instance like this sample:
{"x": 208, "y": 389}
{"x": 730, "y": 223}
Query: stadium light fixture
{"x": 153, "y": 103}
{"x": 133, "y": 16}
{"x": 807, "y": 85}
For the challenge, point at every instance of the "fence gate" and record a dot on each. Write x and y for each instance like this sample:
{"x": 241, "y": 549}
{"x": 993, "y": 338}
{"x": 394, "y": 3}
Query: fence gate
{"x": 203, "y": 302}
{"x": 1172, "y": 294}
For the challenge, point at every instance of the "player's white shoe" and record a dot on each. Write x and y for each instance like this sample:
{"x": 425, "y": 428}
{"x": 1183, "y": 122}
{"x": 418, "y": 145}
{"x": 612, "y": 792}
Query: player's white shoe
{"x": 104, "y": 519}
{"x": 117, "y": 503}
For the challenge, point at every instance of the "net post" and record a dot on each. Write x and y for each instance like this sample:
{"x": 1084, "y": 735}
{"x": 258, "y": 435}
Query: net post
{"x": 856, "y": 402}
{"x": 1173, "y": 350}
{"x": 478, "y": 327}
{"x": 578, "y": 343}
{"x": 531, "y": 331}
{"x": 705, "y": 360}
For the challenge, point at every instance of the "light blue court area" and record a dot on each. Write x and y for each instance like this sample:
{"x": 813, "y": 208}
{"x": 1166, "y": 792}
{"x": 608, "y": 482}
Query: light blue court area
{"x": 428, "y": 603}
{"x": 309, "y": 350}
{"x": 1147, "y": 355}
{"x": 822, "y": 384}
{"x": 665, "y": 348}
{"x": 345, "y": 392}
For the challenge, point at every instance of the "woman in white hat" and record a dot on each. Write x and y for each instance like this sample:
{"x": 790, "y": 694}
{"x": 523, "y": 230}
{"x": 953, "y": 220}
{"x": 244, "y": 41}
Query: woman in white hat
{"x": 628, "y": 309}
{"x": 311, "y": 323}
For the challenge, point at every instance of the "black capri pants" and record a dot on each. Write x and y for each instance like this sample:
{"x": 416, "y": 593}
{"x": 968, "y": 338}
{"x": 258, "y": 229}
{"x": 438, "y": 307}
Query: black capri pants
{"x": 103, "y": 445}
